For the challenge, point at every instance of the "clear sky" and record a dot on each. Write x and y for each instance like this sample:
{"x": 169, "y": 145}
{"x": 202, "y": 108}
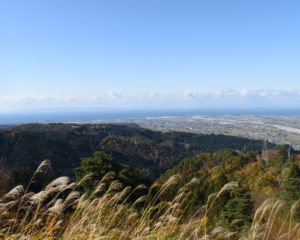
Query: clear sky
{"x": 94, "y": 53}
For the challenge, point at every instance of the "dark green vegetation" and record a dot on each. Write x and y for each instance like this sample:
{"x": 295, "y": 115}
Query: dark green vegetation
{"x": 198, "y": 177}
{"x": 93, "y": 169}
{"x": 222, "y": 194}
{"x": 224, "y": 188}
{"x": 256, "y": 179}
{"x": 23, "y": 147}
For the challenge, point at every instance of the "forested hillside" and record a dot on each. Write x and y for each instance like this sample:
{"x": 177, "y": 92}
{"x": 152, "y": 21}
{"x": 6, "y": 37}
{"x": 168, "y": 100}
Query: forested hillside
{"x": 256, "y": 179}
{"x": 226, "y": 195}
{"x": 23, "y": 147}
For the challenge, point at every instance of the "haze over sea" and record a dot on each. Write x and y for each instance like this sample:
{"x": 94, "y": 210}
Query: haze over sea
{"x": 91, "y": 115}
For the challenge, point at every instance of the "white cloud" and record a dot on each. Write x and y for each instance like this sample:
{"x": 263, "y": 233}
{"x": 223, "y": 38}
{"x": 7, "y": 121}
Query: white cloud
{"x": 112, "y": 94}
{"x": 221, "y": 98}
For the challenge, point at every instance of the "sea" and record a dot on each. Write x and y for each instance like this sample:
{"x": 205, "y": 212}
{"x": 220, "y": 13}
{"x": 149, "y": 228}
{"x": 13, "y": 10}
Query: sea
{"x": 15, "y": 118}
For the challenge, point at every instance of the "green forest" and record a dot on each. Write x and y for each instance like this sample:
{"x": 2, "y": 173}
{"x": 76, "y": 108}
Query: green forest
{"x": 225, "y": 187}
{"x": 23, "y": 147}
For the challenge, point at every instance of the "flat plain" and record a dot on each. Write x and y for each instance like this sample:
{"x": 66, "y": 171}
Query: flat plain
{"x": 276, "y": 129}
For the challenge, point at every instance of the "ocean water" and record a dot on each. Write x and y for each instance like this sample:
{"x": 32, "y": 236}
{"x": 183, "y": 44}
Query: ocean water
{"x": 69, "y": 116}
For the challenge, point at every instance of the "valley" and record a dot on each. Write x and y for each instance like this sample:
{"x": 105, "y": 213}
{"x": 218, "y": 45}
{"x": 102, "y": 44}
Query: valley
{"x": 276, "y": 129}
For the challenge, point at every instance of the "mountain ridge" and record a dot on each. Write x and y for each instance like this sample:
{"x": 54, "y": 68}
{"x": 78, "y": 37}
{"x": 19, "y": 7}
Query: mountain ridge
{"x": 23, "y": 147}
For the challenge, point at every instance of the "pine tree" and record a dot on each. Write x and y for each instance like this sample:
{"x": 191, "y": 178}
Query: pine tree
{"x": 238, "y": 210}
{"x": 97, "y": 166}
{"x": 291, "y": 183}
{"x": 100, "y": 164}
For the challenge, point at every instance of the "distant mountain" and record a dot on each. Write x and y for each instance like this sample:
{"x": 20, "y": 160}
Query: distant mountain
{"x": 23, "y": 147}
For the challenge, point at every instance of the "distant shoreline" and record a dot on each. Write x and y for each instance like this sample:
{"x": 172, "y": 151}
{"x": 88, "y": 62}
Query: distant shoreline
{"x": 77, "y": 116}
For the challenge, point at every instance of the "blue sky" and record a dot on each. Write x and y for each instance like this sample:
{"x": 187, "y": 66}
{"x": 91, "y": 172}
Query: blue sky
{"x": 155, "y": 53}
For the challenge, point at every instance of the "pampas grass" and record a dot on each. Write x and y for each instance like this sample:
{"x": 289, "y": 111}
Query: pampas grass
{"x": 61, "y": 212}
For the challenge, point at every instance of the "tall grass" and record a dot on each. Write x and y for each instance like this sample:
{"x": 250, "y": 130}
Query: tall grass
{"x": 60, "y": 212}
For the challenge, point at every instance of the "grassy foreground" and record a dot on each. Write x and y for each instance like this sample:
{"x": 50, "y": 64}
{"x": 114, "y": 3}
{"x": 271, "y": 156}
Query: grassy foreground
{"x": 111, "y": 212}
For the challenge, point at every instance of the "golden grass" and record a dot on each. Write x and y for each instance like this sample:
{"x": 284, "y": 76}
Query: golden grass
{"x": 114, "y": 216}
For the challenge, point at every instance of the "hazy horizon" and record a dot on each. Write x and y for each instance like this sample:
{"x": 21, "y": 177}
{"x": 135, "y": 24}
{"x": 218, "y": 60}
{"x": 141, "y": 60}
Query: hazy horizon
{"x": 90, "y": 115}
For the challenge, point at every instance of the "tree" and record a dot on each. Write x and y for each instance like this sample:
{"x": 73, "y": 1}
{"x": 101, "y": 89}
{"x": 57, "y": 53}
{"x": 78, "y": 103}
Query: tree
{"x": 218, "y": 203}
{"x": 238, "y": 209}
{"x": 291, "y": 182}
{"x": 101, "y": 163}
